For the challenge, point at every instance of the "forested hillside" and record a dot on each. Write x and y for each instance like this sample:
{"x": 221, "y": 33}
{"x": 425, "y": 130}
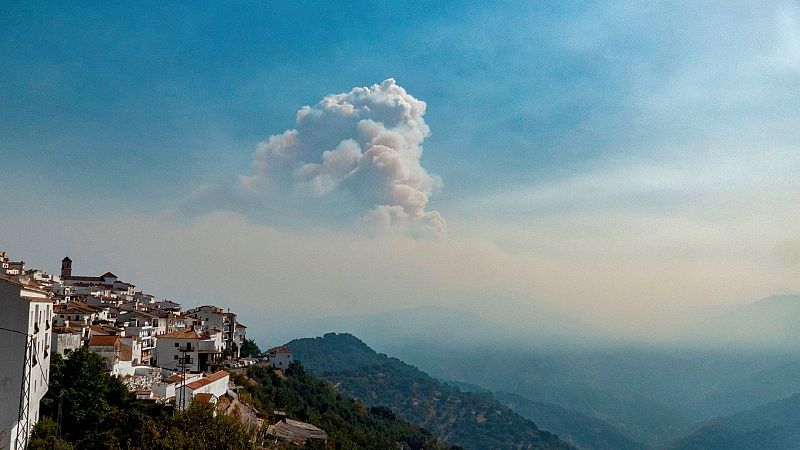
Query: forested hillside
{"x": 98, "y": 412}
{"x": 472, "y": 420}
{"x": 349, "y": 423}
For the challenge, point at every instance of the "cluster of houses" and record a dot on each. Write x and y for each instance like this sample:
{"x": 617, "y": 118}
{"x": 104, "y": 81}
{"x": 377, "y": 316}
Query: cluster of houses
{"x": 160, "y": 351}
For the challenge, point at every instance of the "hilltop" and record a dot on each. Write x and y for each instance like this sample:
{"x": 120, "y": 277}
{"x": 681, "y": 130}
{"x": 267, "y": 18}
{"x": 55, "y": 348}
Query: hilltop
{"x": 471, "y": 420}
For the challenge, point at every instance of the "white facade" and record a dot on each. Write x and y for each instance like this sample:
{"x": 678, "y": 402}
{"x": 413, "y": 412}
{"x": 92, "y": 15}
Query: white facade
{"x": 215, "y": 384}
{"x": 201, "y": 350}
{"x": 280, "y": 358}
{"x": 215, "y": 318}
{"x": 240, "y": 335}
{"x": 27, "y": 311}
{"x": 65, "y": 341}
{"x": 135, "y": 348}
{"x": 140, "y": 326}
{"x": 172, "y": 346}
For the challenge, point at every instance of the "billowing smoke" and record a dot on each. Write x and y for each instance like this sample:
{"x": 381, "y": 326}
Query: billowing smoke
{"x": 367, "y": 144}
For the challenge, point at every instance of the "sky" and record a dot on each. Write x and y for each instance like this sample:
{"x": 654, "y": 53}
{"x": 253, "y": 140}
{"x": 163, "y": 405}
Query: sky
{"x": 616, "y": 162}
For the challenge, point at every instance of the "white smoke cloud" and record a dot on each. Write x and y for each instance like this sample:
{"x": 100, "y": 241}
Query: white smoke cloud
{"x": 367, "y": 143}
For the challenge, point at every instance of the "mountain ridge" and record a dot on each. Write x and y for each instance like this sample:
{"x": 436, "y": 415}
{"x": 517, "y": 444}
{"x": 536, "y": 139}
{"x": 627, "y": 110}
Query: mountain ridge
{"x": 772, "y": 426}
{"x": 470, "y": 420}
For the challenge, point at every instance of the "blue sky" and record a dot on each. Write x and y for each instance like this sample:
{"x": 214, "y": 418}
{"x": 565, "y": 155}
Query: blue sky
{"x": 171, "y": 92}
{"x": 576, "y": 141}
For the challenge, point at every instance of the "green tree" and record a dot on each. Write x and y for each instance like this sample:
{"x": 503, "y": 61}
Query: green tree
{"x": 98, "y": 412}
{"x": 249, "y": 348}
{"x": 199, "y": 428}
{"x": 44, "y": 435}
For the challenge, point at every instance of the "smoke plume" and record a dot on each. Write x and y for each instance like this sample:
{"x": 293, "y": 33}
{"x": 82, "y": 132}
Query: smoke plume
{"x": 367, "y": 144}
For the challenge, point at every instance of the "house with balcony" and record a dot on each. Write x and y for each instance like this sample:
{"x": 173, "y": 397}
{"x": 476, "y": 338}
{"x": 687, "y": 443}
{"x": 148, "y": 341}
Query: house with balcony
{"x": 140, "y": 325}
{"x": 215, "y": 318}
{"x": 199, "y": 351}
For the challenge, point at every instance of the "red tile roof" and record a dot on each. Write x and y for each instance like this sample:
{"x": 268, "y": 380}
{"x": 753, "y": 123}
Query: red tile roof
{"x": 17, "y": 283}
{"x": 174, "y": 378}
{"x": 78, "y": 278}
{"x": 181, "y": 334}
{"x": 103, "y": 341}
{"x": 203, "y": 397}
{"x": 280, "y": 350}
{"x": 205, "y": 381}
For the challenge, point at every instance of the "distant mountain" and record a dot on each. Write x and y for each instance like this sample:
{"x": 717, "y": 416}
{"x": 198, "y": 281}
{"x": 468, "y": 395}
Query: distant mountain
{"x": 770, "y": 322}
{"x": 773, "y": 383}
{"x": 471, "y": 420}
{"x": 774, "y": 426}
{"x": 582, "y": 431}
{"x": 444, "y": 327}
{"x": 627, "y": 388}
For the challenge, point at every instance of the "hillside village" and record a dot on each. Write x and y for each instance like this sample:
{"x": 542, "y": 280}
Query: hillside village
{"x": 161, "y": 352}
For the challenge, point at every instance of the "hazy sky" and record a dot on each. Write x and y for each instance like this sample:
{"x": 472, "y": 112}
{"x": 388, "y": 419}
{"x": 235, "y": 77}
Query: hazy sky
{"x": 615, "y": 160}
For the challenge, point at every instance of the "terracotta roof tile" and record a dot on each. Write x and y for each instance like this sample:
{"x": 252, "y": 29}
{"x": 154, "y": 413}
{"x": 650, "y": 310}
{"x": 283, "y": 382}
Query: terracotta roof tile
{"x": 103, "y": 341}
{"x": 205, "y": 381}
{"x": 181, "y": 334}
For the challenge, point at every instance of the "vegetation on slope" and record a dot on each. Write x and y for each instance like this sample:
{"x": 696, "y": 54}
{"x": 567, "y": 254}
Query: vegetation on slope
{"x": 583, "y": 431}
{"x": 472, "y": 420}
{"x": 98, "y": 412}
{"x": 350, "y": 424}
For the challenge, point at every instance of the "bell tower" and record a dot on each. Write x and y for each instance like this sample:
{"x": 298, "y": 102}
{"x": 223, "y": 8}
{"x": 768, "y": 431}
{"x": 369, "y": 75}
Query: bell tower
{"x": 66, "y": 267}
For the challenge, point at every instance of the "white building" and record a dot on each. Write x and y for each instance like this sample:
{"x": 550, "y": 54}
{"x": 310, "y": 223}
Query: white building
{"x": 140, "y": 325}
{"x": 215, "y": 318}
{"x": 13, "y": 268}
{"x": 122, "y": 354}
{"x": 201, "y": 351}
{"x": 215, "y": 384}
{"x": 65, "y": 340}
{"x": 240, "y": 335}
{"x": 24, "y": 356}
{"x": 169, "y": 305}
{"x": 280, "y": 357}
